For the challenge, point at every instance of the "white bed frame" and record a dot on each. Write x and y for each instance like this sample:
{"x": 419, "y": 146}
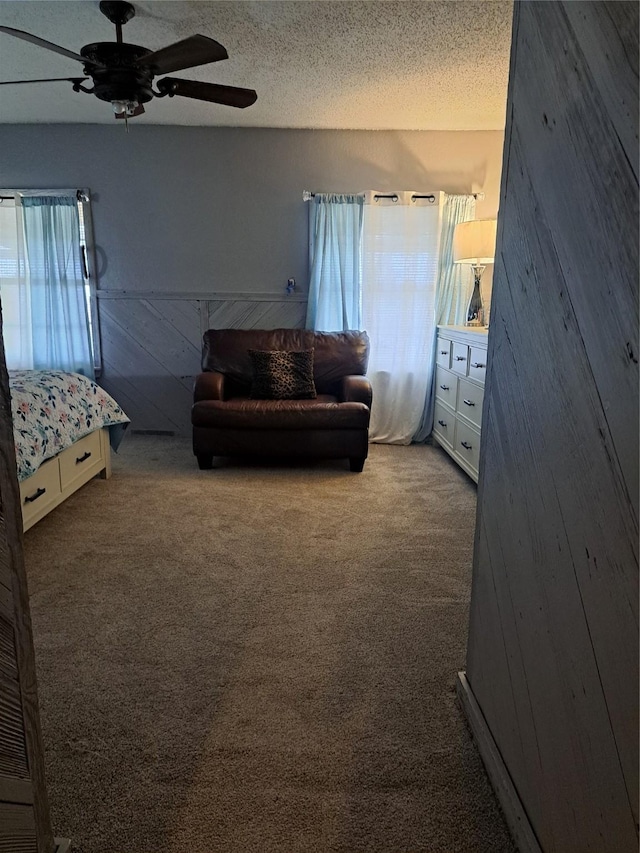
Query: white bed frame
{"x": 61, "y": 476}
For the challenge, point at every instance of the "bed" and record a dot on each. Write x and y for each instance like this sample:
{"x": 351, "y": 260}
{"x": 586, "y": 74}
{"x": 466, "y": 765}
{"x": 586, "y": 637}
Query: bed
{"x": 64, "y": 427}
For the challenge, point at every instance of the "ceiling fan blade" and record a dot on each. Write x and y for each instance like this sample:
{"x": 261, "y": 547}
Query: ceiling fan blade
{"x": 20, "y": 34}
{"x": 231, "y": 96}
{"x": 137, "y": 112}
{"x": 45, "y": 80}
{"x": 195, "y": 50}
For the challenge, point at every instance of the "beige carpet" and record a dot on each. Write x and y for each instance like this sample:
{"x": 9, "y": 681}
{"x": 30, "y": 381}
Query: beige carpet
{"x": 260, "y": 658}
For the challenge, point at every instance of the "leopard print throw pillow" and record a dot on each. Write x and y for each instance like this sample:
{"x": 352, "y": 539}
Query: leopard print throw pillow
{"x": 282, "y": 375}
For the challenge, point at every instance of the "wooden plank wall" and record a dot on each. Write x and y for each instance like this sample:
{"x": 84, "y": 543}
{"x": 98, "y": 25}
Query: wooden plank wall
{"x": 151, "y": 346}
{"x": 553, "y": 641}
{"x": 25, "y": 825}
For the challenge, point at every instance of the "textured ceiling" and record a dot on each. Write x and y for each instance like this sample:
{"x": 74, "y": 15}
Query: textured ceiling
{"x": 412, "y": 65}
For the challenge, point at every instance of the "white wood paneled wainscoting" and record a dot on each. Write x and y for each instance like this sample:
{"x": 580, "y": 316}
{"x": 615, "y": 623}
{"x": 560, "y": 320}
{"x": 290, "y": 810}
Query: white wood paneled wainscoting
{"x": 151, "y": 345}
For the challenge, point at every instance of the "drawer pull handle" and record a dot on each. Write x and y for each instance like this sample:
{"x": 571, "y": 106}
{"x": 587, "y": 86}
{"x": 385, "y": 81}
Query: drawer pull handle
{"x": 445, "y": 387}
{"x": 465, "y": 445}
{"x": 83, "y": 458}
{"x": 461, "y": 358}
{"x": 442, "y": 423}
{"x": 34, "y": 497}
{"x": 444, "y": 352}
{"x": 478, "y": 364}
{"x": 468, "y": 402}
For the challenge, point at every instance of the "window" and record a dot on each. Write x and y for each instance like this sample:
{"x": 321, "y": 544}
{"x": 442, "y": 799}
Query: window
{"x": 382, "y": 263}
{"x": 399, "y": 271}
{"x": 15, "y": 299}
{"x": 400, "y": 245}
{"x": 33, "y": 250}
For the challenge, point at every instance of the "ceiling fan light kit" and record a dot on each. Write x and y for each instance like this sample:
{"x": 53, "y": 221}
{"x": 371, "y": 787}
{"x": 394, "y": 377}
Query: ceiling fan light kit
{"x": 123, "y": 74}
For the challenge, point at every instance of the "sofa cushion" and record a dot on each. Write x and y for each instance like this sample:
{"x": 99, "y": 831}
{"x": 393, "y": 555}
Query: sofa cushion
{"x": 282, "y": 375}
{"x": 244, "y": 413}
{"x": 227, "y": 350}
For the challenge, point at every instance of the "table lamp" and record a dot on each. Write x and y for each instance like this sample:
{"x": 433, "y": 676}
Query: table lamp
{"x": 474, "y": 243}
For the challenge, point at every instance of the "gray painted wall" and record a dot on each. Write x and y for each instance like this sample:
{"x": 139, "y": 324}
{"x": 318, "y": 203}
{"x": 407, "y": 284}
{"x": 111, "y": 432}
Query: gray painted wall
{"x": 220, "y": 209}
{"x": 205, "y": 225}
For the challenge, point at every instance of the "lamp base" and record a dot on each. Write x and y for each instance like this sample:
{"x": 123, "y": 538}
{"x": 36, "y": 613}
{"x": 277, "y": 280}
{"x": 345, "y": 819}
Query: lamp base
{"x": 475, "y": 311}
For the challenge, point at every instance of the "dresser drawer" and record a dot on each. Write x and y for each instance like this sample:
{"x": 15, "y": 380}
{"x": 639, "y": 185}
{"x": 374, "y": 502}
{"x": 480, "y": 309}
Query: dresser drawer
{"x": 446, "y": 385}
{"x": 443, "y": 424}
{"x": 467, "y": 445}
{"x": 77, "y": 460}
{"x": 40, "y": 491}
{"x": 477, "y": 363}
{"x": 458, "y": 406}
{"x": 470, "y": 399}
{"x": 460, "y": 358}
{"x": 443, "y": 352}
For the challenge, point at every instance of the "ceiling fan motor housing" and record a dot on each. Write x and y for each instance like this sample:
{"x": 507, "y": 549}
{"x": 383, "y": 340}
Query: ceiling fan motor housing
{"x": 117, "y": 11}
{"x": 121, "y": 79}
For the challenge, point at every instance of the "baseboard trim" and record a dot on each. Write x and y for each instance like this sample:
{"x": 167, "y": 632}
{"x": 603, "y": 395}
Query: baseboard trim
{"x": 514, "y": 812}
{"x": 63, "y": 845}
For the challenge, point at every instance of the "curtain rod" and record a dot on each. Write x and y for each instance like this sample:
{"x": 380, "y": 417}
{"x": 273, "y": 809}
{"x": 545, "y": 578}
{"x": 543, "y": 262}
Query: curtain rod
{"x": 395, "y": 196}
{"x": 307, "y": 195}
{"x": 81, "y": 195}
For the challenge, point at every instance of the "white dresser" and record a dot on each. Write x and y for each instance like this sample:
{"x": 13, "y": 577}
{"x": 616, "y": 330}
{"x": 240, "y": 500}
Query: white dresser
{"x": 461, "y": 364}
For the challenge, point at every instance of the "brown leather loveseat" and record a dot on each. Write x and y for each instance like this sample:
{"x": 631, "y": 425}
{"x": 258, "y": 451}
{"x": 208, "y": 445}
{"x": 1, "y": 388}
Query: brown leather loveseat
{"x": 227, "y": 421}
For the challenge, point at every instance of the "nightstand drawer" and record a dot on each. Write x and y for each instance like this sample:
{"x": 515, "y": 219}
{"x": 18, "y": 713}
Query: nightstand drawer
{"x": 443, "y": 352}
{"x": 40, "y": 490}
{"x": 460, "y": 358}
{"x": 467, "y": 445}
{"x": 444, "y": 423}
{"x": 446, "y": 385}
{"x": 470, "y": 399}
{"x": 84, "y": 454}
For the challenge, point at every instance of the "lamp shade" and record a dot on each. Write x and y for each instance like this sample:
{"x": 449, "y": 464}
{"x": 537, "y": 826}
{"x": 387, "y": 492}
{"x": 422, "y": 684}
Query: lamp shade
{"x": 474, "y": 242}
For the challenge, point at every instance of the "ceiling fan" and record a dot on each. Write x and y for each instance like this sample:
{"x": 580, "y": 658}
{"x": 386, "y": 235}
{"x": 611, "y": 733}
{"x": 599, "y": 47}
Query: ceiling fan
{"x": 123, "y": 73}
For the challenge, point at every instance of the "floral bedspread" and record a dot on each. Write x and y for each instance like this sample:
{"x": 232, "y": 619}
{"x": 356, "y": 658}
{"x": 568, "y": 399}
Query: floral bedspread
{"x": 51, "y": 409}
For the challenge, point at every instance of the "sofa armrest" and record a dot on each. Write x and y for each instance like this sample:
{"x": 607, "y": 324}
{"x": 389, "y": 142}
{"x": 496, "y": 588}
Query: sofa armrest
{"x": 355, "y": 389}
{"x": 208, "y": 386}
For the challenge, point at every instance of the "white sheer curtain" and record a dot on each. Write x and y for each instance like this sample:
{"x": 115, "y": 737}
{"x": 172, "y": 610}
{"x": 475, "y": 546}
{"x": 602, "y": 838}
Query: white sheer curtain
{"x": 45, "y": 310}
{"x": 399, "y": 272}
{"x": 15, "y": 294}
